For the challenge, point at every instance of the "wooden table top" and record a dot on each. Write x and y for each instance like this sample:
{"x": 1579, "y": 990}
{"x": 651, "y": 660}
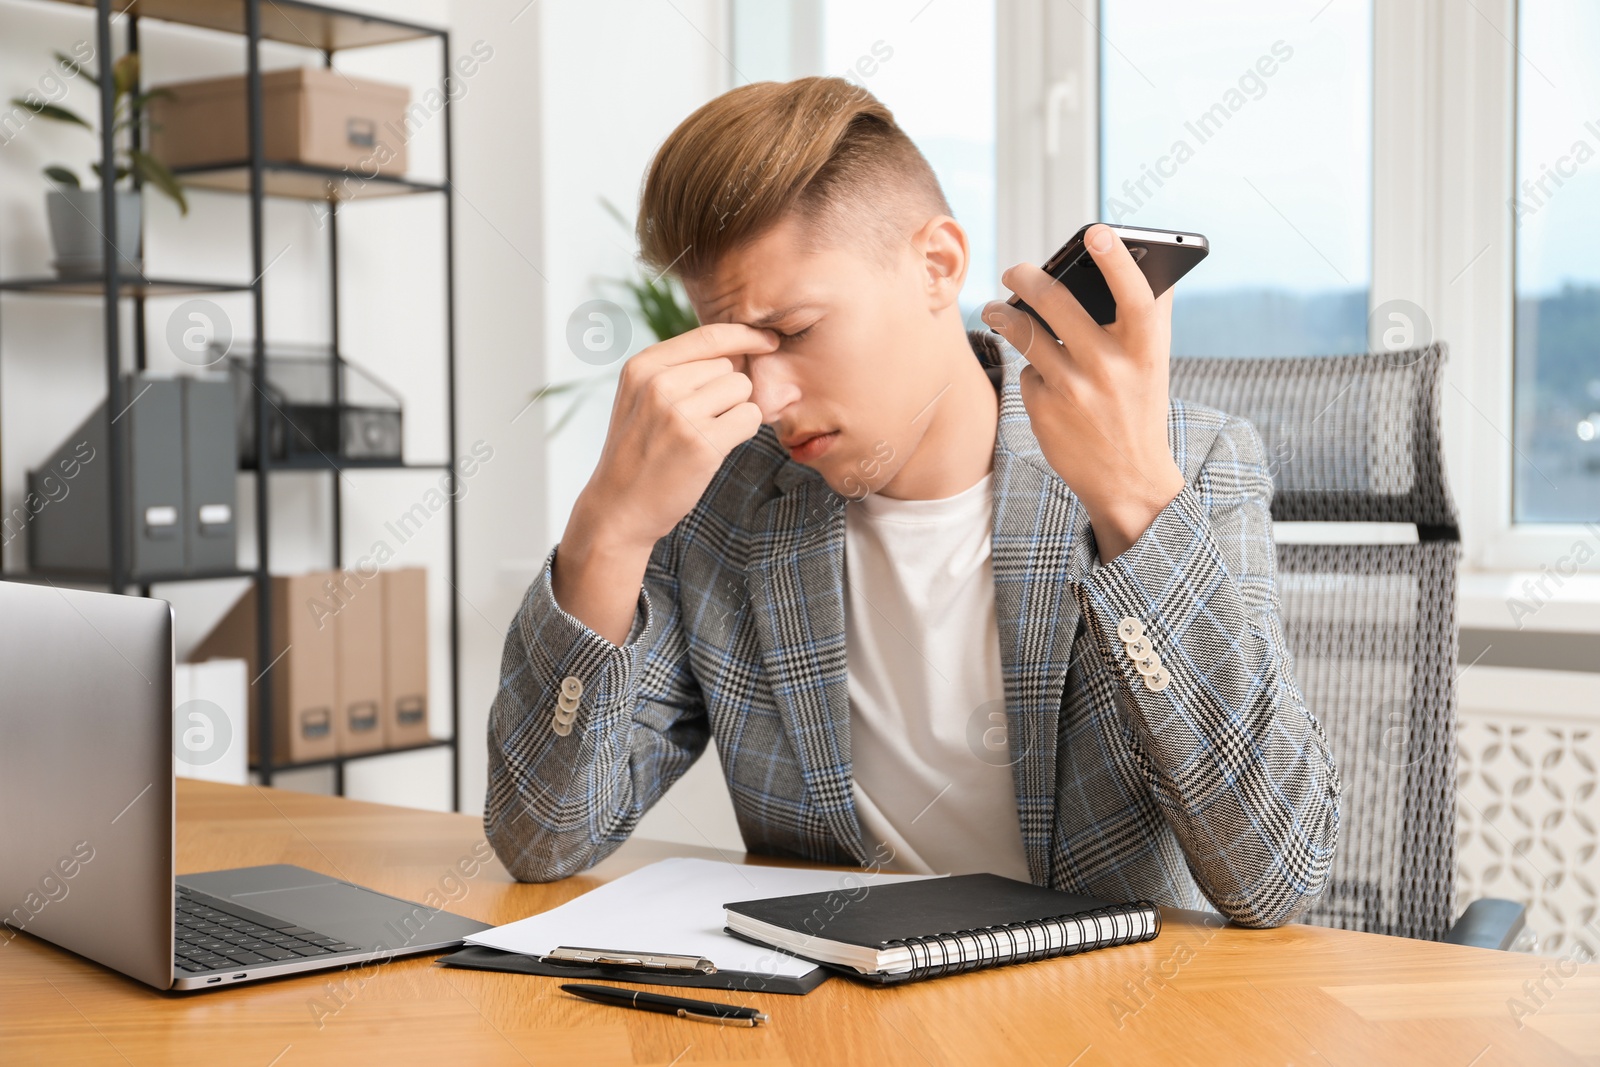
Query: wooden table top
{"x": 1295, "y": 995}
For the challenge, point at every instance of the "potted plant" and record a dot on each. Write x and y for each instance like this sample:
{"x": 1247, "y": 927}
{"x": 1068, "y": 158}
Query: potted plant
{"x": 74, "y": 211}
{"x": 659, "y": 302}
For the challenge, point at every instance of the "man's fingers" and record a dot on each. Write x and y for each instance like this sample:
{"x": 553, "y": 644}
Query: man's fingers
{"x": 1020, "y": 329}
{"x": 734, "y": 427}
{"x": 1074, "y": 326}
{"x": 1163, "y": 303}
{"x": 715, "y": 339}
{"x": 681, "y": 380}
{"x": 715, "y": 397}
{"x": 1128, "y": 285}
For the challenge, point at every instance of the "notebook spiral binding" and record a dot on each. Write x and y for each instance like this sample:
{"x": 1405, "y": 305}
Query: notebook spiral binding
{"x": 1024, "y": 942}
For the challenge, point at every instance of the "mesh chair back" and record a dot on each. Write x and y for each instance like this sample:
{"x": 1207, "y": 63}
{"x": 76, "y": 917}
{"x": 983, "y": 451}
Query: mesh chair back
{"x": 1371, "y": 627}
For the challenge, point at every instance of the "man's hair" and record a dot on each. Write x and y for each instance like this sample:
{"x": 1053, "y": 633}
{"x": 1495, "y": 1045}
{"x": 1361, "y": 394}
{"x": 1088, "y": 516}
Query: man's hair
{"x": 823, "y": 148}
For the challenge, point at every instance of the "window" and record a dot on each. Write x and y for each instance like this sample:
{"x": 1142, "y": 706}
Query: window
{"x": 1556, "y": 221}
{"x": 1248, "y": 122}
{"x": 931, "y": 64}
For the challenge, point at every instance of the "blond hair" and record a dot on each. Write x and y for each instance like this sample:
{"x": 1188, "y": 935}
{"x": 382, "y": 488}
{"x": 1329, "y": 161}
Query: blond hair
{"x": 823, "y": 148}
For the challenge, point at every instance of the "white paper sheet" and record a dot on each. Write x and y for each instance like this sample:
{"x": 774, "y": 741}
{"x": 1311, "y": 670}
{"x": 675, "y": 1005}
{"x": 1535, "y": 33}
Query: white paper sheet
{"x": 675, "y": 906}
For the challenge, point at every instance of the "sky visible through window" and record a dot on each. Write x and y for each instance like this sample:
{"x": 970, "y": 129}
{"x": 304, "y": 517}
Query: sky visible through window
{"x": 933, "y": 65}
{"x": 1249, "y": 122}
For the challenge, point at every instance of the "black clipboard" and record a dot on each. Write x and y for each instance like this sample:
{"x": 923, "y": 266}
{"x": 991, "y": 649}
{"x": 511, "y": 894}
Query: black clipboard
{"x": 477, "y": 958}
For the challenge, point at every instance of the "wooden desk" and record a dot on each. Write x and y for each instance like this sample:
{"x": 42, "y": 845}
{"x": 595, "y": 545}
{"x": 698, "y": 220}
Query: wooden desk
{"x": 1297, "y": 995}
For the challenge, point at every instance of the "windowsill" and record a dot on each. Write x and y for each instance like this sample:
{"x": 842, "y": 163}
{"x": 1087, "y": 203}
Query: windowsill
{"x": 1487, "y": 599}
{"x": 1344, "y": 533}
{"x": 1512, "y": 600}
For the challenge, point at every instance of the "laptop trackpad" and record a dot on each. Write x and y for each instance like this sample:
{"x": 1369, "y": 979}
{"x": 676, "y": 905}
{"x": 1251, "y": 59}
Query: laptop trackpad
{"x": 354, "y": 915}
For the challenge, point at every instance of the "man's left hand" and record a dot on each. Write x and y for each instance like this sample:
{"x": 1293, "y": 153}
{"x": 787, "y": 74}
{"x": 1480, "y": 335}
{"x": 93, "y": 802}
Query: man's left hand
{"x": 1097, "y": 399}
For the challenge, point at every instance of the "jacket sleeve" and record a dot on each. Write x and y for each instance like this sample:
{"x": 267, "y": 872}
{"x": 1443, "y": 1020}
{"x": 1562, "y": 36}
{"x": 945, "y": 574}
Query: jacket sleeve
{"x": 1235, "y": 760}
{"x": 559, "y": 804}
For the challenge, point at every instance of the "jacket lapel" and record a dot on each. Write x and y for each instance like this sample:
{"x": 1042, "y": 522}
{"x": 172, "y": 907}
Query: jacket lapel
{"x": 795, "y": 578}
{"x": 1041, "y": 543}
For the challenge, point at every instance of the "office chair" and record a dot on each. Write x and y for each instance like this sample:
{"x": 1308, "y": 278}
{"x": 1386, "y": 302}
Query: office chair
{"x": 1372, "y": 627}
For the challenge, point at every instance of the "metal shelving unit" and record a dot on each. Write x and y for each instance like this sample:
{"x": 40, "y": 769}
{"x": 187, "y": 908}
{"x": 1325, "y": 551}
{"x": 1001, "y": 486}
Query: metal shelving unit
{"x": 326, "y": 30}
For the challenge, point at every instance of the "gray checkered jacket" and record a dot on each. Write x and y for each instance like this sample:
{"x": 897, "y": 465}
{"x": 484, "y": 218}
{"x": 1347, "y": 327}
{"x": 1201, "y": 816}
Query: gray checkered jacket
{"x": 1218, "y": 787}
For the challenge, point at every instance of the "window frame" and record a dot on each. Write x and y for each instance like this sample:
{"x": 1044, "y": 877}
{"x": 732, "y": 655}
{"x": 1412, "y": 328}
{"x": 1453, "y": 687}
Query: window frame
{"x": 1443, "y": 159}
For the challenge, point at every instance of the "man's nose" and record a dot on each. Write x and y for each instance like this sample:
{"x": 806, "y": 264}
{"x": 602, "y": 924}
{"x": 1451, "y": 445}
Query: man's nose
{"x": 772, "y": 389}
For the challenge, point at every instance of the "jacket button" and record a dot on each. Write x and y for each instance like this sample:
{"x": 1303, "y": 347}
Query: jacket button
{"x": 561, "y": 721}
{"x": 1138, "y": 648}
{"x": 571, "y": 687}
{"x": 1158, "y": 681}
{"x": 566, "y": 703}
{"x": 1129, "y": 628}
{"x": 1148, "y": 664}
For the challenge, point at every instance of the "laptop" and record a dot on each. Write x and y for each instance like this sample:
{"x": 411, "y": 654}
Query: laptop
{"x": 87, "y": 831}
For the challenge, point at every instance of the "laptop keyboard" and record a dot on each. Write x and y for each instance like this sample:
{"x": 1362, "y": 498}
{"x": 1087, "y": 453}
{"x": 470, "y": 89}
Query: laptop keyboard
{"x": 212, "y": 936}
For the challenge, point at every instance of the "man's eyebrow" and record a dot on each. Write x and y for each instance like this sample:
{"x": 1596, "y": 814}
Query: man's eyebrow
{"x": 779, "y": 315}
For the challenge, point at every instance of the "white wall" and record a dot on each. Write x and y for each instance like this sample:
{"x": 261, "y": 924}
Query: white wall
{"x": 617, "y": 77}
{"x": 571, "y": 108}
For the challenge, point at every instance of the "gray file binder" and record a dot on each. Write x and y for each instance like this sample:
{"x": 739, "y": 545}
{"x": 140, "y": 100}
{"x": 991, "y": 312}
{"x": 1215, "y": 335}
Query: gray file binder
{"x": 210, "y": 460}
{"x": 73, "y": 532}
{"x": 178, "y": 440}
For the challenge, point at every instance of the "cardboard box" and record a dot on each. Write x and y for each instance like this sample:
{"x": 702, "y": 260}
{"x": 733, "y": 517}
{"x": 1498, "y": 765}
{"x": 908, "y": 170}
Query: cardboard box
{"x": 359, "y": 622}
{"x": 312, "y": 115}
{"x": 405, "y": 657}
{"x": 303, "y": 667}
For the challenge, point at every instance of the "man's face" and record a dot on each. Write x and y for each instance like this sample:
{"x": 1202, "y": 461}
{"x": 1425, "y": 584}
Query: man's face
{"x": 849, "y": 388}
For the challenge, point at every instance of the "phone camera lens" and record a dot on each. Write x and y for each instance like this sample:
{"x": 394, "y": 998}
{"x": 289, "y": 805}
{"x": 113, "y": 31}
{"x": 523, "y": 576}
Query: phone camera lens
{"x": 1180, "y": 238}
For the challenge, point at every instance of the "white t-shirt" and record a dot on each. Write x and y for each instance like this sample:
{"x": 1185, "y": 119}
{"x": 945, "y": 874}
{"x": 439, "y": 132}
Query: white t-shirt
{"x": 926, "y": 689}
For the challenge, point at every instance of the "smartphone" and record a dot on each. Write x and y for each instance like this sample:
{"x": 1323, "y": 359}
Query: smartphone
{"x": 1163, "y": 255}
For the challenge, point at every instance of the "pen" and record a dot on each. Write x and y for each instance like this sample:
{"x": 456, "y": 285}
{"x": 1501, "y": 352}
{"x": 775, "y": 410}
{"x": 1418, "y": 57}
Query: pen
{"x": 726, "y": 1014}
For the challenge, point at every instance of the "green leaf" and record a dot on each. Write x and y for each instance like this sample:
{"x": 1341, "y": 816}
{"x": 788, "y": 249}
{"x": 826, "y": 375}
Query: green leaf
{"x": 658, "y": 303}
{"x": 156, "y": 173}
{"x": 50, "y": 111}
{"x": 584, "y": 389}
{"x": 74, "y": 68}
{"x": 63, "y": 176}
{"x": 562, "y": 388}
{"x": 611, "y": 209}
{"x": 657, "y": 298}
{"x": 122, "y": 172}
{"x": 125, "y": 74}
{"x": 579, "y": 389}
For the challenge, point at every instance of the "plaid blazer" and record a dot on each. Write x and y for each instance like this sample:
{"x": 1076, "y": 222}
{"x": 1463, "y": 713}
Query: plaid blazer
{"x": 1222, "y": 783}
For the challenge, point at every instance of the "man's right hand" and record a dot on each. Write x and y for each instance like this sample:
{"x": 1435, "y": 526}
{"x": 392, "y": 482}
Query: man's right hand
{"x": 681, "y": 406}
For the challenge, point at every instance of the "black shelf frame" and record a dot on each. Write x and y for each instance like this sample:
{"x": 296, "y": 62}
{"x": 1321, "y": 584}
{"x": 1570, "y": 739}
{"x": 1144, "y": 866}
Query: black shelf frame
{"x": 95, "y": 286}
{"x": 344, "y": 463}
{"x": 54, "y": 574}
{"x": 303, "y": 181}
{"x": 326, "y": 30}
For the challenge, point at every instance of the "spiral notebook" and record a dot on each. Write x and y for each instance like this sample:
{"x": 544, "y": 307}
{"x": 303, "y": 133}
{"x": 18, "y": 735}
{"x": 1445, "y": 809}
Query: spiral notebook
{"x": 906, "y": 931}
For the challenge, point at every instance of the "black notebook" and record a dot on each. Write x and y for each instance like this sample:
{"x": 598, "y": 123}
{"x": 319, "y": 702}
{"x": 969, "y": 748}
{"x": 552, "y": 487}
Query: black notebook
{"x": 904, "y": 931}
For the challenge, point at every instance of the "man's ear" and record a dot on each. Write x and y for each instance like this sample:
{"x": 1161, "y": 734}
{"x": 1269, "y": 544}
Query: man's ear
{"x": 945, "y": 259}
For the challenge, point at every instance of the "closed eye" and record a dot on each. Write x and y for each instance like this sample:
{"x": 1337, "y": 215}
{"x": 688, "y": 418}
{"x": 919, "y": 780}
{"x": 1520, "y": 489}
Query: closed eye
{"x": 797, "y": 335}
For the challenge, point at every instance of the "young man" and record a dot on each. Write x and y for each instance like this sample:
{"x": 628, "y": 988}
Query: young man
{"x": 941, "y": 613}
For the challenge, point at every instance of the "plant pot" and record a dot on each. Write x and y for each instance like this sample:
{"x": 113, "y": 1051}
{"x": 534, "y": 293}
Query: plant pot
{"x": 77, "y": 236}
